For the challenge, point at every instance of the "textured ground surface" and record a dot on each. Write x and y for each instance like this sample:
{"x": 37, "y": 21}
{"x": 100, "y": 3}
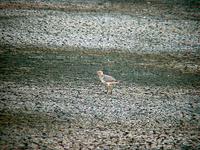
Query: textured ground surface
{"x": 54, "y": 100}
{"x": 140, "y": 29}
{"x": 60, "y": 117}
{"x": 51, "y": 98}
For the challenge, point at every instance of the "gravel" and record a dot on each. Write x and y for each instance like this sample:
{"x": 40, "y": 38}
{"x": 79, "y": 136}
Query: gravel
{"x": 52, "y": 100}
{"x": 126, "y": 104}
{"x": 95, "y": 30}
{"x": 133, "y": 117}
{"x": 131, "y": 103}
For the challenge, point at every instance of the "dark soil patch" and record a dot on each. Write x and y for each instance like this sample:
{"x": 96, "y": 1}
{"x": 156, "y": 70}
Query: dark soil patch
{"x": 79, "y": 67}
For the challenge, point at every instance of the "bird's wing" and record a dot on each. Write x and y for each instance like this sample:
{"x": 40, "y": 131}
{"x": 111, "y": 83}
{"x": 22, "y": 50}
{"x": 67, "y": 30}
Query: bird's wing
{"x": 108, "y": 78}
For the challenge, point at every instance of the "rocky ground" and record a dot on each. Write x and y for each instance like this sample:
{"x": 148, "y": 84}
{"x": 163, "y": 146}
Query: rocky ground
{"x": 145, "y": 28}
{"x": 51, "y": 98}
{"x": 134, "y": 117}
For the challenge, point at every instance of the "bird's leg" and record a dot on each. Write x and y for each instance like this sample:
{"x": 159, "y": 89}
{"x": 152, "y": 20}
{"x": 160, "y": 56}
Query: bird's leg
{"x": 106, "y": 89}
{"x": 109, "y": 89}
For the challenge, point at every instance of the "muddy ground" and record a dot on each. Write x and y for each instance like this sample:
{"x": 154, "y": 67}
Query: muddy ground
{"x": 51, "y": 98}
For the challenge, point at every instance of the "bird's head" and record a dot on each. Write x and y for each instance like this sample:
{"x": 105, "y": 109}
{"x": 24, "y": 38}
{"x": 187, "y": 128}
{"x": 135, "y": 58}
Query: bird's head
{"x": 100, "y": 73}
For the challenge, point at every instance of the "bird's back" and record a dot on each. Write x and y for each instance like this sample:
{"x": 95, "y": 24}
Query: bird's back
{"x": 108, "y": 78}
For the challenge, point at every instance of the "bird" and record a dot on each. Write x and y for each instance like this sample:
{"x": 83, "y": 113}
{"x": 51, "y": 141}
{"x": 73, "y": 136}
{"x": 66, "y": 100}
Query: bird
{"x": 107, "y": 80}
